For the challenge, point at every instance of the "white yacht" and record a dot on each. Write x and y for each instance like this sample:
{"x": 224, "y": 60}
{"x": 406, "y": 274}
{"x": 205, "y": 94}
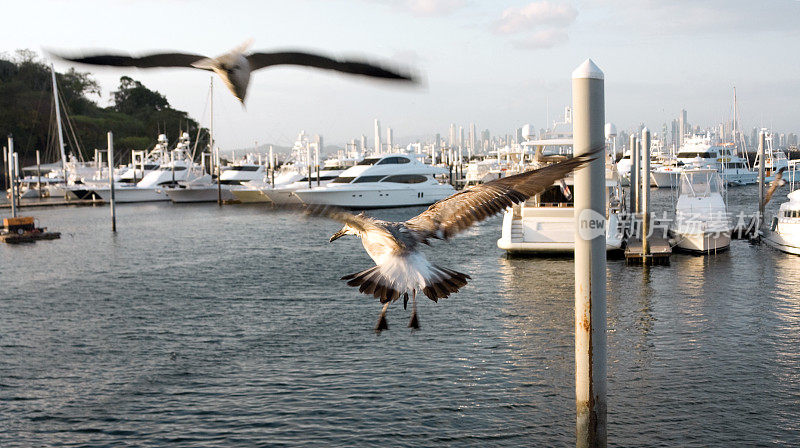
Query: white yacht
{"x": 624, "y": 166}
{"x": 179, "y": 167}
{"x": 545, "y": 224}
{"x": 699, "y": 152}
{"x": 205, "y": 189}
{"x": 142, "y": 164}
{"x": 701, "y": 221}
{"x": 775, "y": 158}
{"x": 784, "y": 229}
{"x": 283, "y": 193}
{"x": 390, "y": 180}
{"x": 481, "y": 171}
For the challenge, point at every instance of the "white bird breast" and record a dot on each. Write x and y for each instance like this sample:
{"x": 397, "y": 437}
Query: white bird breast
{"x": 406, "y": 271}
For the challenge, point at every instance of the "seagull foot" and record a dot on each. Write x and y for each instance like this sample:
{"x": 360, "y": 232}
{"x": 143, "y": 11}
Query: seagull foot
{"x": 382, "y": 324}
{"x": 414, "y": 322}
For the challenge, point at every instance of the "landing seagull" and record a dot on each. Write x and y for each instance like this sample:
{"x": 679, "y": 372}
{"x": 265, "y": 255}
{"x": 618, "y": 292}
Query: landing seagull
{"x": 400, "y": 267}
{"x": 235, "y": 66}
{"x": 776, "y": 183}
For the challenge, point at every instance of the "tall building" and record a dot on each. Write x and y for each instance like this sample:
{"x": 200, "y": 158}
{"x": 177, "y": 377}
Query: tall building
{"x": 473, "y": 131}
{"x": 681, "y": 127}
{"x": 518, "y": 136}
{"x": 389, "y": 140}
{"x": 460, "y": 142}
{"x": 377, "y": 136}
{"x": 452, "y": 141}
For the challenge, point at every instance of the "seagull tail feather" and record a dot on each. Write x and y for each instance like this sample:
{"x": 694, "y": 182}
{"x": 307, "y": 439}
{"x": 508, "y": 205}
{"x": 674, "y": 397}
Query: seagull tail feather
{"x": 443, "y": 282}
{"x": 373, "y": 282}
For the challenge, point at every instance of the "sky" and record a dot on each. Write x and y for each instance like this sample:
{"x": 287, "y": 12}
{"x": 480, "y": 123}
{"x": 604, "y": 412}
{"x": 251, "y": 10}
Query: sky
{"x": 499, "y": 64}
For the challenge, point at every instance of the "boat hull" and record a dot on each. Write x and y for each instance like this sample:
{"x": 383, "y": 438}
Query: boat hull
{"x": 281, "y": 196}
{"x": 549, "y": 230}
{"x": 133, "y": 194}
{"x": 383, "y": 198}
{"x": 665, "y": 179}
{"x": 250, "y": 196}
{"x": 703, "y": 242}
{"x": 189, "y": 195}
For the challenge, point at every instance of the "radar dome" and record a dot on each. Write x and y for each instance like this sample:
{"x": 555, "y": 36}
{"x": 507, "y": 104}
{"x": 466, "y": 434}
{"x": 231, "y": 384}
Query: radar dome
{"x": 611, "y": 130}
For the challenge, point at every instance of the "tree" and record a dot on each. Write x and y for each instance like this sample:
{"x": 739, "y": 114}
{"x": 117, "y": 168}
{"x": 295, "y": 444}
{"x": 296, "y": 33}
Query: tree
{"x": 135, "y": 99}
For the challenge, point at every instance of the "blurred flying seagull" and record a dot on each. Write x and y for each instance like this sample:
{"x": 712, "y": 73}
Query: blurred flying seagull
{"x": 400, "y": 266}
{"x": 776, "y": 183}
{"x": 235, "y": 66}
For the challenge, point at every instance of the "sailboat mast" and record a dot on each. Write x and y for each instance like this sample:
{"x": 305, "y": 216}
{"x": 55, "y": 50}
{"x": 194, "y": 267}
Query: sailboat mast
{"x": 58, "y": 123}
{"x": 735, "y": 141}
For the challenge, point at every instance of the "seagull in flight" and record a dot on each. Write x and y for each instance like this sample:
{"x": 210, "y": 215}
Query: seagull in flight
{"x": 400, "y": 266}
{"x": 235, "y": 66}
{"x": 776, "y": 183}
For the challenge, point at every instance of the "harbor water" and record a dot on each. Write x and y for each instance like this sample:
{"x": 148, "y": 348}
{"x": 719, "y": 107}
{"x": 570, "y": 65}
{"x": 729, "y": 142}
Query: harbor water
{"x": 201, "y": 326}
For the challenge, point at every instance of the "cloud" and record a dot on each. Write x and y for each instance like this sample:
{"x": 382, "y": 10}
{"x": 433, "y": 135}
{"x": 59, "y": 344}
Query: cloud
{"x": 546, "y": 38}
{"x": 428, "y": 8}
{"x": 536, "y": 15}
{"x": 701, "y": 17}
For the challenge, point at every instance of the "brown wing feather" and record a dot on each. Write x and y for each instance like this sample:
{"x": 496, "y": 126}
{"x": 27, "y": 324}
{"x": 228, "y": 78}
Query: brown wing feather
{"x": 261, "y": 60}
{"x": 146, "y": 61}
{"x": 449, "y": 216}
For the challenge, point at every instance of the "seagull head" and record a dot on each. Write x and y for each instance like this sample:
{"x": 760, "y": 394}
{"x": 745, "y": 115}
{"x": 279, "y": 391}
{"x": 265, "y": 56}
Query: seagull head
{"x": 346, "y": 230}
{"x": 233, "y": 68}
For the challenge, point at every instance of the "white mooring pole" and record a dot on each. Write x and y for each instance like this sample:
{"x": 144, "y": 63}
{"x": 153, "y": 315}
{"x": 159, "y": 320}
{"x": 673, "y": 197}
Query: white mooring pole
{"x": 271, "y": 167}
{"x": 761, "y": 167}
{"x": 645, "y": 193}
{"x": 634, "y": 174}
{"x": 111, "y": 181}
{"x": 588, "y": 105}
{"x": 38, "y": 174}
{"x": 11, "y": 180}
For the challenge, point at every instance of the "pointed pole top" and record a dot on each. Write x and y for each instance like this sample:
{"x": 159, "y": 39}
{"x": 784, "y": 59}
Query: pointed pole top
{"x": 588, "y": 70}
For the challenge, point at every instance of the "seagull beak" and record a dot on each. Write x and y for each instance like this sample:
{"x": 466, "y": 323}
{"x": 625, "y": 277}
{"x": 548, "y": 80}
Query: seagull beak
{"x": 337, "y": 235}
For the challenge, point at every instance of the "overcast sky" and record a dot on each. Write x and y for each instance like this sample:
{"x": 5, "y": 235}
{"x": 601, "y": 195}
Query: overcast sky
{"x": 496, "y": 63}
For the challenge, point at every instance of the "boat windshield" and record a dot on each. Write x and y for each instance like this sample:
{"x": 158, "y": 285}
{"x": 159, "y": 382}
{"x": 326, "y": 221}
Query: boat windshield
{"x": 693, "y": 154}
{"x": 244, "y": 168}
{"x": 369, "y": 161}
{"x": 700, "y": 183}
{"x": 342, "y": 180}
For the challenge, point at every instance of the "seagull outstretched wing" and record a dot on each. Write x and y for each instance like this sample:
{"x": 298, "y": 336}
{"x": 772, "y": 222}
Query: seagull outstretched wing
{"x": 449, "y": 216}
{"x": 146, "y": 61}
{"x": 774, "y": 185}
{"x": 261, "y": 60}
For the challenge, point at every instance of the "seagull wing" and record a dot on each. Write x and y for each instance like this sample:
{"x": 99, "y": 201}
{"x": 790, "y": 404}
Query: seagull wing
{"x": 449, "y": 216}
{"x": 261, "y": 60}
{"x": 146, "y": 61}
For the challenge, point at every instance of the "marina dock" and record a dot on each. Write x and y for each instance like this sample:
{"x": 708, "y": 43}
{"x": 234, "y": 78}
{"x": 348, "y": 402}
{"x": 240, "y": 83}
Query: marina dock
{"x": 660, "y": 251}
{"x": 53, "y": 202}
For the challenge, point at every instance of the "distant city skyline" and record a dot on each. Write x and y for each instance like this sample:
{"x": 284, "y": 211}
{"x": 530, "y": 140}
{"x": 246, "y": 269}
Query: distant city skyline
{"x": 498, "y": 65}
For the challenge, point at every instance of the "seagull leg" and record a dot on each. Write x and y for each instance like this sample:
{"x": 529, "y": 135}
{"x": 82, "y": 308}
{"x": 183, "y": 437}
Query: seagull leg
{"x": 414, "y": 322}
{"x": 382, "y": 324}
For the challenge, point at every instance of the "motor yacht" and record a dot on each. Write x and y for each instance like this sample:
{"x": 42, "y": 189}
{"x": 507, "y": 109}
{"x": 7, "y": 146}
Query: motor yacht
{"x": 205, "y": 188}
{"x": 775, "y": 158}
{"x": 702, "y": 224}
{"x": 283, "y": 193}
{"x": 178, "y": 167}
{"x": 545, "y": 223}
{"x": 699, "y": 152}
{"x": 783, "y": 232}
{"x": 389, "y": 180}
